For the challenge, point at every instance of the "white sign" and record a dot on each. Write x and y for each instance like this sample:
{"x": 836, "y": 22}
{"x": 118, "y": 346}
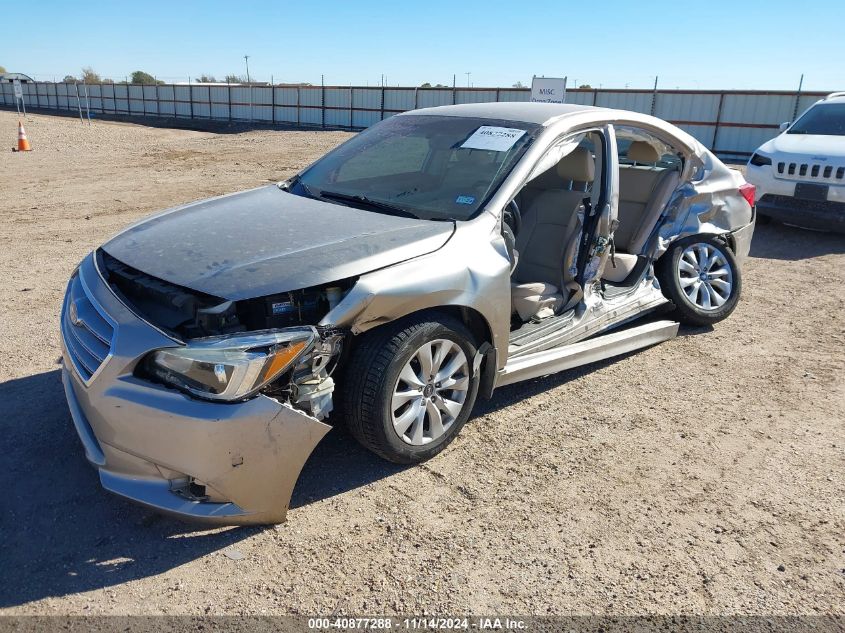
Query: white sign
{"x": 18, "y": 89}
{"x": 489, "y": 137}
{"x": 548, "y": 90}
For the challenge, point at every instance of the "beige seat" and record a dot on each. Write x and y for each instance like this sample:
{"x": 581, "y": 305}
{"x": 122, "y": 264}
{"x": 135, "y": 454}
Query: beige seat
{"x": 644, "y": 190}
{"x": 538, "y": 288}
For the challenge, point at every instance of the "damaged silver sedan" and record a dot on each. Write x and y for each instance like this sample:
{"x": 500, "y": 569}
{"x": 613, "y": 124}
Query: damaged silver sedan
{"x": 428, "y": 260}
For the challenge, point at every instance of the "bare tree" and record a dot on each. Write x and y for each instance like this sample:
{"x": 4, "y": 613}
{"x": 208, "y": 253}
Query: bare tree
{"x": 90, "y": 77}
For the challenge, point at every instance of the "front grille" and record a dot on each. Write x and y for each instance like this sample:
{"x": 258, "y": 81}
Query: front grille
{"x": 86, "y": 332}
{"x": 811, "y": 171}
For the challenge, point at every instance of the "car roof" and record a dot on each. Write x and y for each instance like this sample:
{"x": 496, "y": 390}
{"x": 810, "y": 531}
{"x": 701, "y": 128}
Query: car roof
{"x": 548, "y": 114}
{"x": 523, "y": 111}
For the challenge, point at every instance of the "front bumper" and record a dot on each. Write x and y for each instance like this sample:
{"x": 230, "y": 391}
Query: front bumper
{"x": 158, "y": 447}
{"x": 819, "y": 215}
{"x": 776, "y": 199}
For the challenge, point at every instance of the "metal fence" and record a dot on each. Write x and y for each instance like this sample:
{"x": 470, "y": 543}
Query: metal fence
{"x": 731, "y": 123}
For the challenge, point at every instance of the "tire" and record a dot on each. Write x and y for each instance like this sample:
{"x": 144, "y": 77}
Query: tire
{"x": 706, "y": 293}
{"x": 377, "y": 377}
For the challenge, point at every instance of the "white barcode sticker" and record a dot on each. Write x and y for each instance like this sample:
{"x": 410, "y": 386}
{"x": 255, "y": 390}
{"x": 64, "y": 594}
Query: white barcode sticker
{"x": 497, "y": 139}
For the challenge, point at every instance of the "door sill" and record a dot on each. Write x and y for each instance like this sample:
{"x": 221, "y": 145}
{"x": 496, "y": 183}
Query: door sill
{"x": 526, "y": 338}
{"x": 592, "y": 350}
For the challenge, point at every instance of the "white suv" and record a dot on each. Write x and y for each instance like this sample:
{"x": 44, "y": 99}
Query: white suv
{"x": 800, "y": 174}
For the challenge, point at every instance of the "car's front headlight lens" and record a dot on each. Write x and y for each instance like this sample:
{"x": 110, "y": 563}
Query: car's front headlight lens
{"x": 231, "y": 368}
{"x": 759, "y": 160}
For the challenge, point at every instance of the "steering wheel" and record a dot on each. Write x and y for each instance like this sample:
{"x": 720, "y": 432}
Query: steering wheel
{"x": 511, "y": 223}
{"x": 512, "y": 217}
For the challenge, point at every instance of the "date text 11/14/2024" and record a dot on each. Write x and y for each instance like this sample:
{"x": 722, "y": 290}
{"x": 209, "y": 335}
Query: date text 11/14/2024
{"x": 417, "y": 624}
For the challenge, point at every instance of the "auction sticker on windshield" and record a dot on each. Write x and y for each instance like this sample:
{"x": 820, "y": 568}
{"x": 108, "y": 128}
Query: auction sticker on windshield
{"x": 497, "y": 139}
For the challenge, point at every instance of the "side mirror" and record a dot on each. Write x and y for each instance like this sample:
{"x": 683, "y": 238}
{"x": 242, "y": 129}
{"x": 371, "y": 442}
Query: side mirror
{"x": 784, "y": 126}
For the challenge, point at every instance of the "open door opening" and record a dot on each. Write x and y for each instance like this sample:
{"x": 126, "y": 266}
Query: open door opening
{"x": 649, "y": 173}
{"x": 558, "y": 207}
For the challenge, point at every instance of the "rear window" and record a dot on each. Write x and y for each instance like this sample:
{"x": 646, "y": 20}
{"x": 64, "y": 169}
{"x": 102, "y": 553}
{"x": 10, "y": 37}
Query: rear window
{"x": 827, "y": 119}
{"x": 626, "y": 135}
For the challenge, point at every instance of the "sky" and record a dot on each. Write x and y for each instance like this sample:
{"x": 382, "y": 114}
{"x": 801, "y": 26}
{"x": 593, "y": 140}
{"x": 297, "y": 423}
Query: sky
{"x": 750, "y": 44}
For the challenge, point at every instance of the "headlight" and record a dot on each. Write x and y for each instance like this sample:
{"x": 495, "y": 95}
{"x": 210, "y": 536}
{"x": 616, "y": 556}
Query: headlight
{"x": 759, "y": 160}
{"x": 233, "y": 367}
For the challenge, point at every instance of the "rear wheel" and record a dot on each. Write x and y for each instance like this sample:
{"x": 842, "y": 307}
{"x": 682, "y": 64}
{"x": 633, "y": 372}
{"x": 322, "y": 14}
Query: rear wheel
{"x": 410, "y": 387}
{"x": 700, "y": 275}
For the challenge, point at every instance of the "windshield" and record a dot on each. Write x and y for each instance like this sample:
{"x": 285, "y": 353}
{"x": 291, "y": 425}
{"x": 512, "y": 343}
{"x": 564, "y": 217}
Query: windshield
{"x": 431, "y": 167}
{"x": 826, "y": 119}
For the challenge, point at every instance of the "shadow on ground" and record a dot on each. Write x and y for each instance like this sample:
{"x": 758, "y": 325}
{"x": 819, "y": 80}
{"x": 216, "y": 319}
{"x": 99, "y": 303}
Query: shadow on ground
{"x": 62, "y": 533}
{"x": 790, "y": 243}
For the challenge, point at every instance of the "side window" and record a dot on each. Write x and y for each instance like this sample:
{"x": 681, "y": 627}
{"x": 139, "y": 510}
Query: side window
{"x": 666, "y": 156}
{"x": 397, "y": 155}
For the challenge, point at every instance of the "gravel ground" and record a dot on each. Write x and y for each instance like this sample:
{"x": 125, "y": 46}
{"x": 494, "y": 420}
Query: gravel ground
{"x": 701, "y": 476}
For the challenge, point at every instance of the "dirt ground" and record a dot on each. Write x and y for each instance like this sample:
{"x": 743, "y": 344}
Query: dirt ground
{"x": 702, "y": 476}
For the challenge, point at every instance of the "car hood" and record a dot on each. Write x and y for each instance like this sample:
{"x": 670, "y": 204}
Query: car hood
{"x": 810, "y": 145}
{"x": 266, "y": 241}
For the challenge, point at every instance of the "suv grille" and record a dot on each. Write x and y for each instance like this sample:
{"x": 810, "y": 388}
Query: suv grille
{"x": 811, "y": 171}
{"x": 86, "y": 332}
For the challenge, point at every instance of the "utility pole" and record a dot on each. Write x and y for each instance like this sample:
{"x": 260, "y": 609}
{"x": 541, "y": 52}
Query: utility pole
{"x": 798, "y": 97}
{"x": 654, "y": 97}
{"x": 468, "y": 74}
{"x": 249, "y": 85}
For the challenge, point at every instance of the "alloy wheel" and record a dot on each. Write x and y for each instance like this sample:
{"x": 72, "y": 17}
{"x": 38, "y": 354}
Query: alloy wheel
{"x": 705, "y": 276}
{"x": 430, "y": 392}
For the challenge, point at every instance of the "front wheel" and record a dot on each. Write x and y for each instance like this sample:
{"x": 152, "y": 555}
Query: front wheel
{"x": 700, "y": 275}
{"x": 411, "y": 387}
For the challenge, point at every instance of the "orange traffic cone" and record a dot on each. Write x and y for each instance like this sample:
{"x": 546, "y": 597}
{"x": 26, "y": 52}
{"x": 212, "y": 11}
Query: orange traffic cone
{"x": 23, "y": 143}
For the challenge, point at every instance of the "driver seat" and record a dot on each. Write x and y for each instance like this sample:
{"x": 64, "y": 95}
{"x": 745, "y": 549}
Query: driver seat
{"x": 538, "y": 286}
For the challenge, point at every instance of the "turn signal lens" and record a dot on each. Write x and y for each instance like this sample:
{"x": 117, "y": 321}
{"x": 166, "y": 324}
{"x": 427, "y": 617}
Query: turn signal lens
{"x": 231, "y": 368}
{"x": 281, "y": 360}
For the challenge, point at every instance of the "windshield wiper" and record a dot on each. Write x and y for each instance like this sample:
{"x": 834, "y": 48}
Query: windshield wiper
{"x": 368, "y": 202}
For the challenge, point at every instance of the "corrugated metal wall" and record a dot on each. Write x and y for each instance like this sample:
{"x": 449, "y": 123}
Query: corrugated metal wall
{"x": 732, "y": 123}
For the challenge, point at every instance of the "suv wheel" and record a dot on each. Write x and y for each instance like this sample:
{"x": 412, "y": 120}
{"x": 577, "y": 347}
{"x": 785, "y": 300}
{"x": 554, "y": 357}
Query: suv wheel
{"x": 410, "y": 387}
{"x": 699, "y": 274}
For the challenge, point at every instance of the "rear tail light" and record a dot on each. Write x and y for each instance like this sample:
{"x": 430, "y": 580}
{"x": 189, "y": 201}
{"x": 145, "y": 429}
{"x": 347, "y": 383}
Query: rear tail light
{"x": 748, "y": 191}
